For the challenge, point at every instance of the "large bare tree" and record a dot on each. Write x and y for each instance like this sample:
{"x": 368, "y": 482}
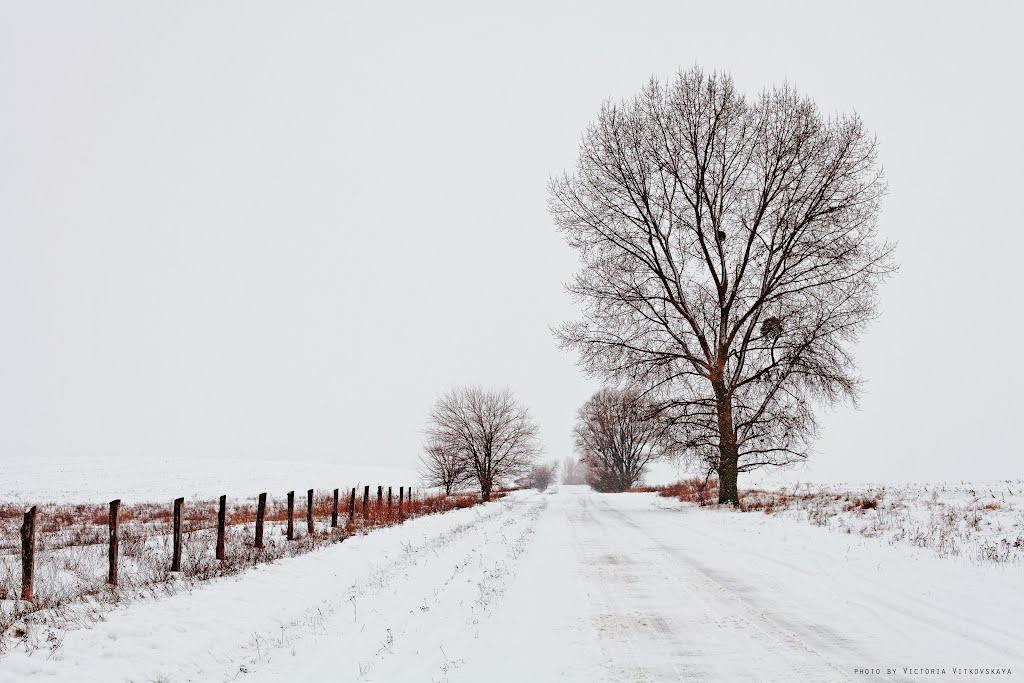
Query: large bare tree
{"x": 730, "y": 261}
{"x": 490, "y": 431}
{"x": 617, "y": 434}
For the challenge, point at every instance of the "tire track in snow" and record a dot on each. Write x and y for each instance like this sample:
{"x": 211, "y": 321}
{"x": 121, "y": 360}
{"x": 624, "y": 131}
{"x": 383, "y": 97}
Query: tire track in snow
{"x": 453, "y": 579}
{"x": 817, "y": 641}
{"x": 622, "y": 623}
{"x": 940, "y": 618}
{"x": 700, "y": 602}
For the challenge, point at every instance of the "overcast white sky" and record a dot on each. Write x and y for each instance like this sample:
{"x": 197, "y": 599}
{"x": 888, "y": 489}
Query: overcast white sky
{"x": 281, "y": 229}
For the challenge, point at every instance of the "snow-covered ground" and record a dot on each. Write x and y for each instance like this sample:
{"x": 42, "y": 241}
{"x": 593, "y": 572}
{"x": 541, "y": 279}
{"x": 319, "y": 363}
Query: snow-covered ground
{"x": 566, "y": 585}
{"x": 98, "y": 480}
{"x": 976, "y": 521}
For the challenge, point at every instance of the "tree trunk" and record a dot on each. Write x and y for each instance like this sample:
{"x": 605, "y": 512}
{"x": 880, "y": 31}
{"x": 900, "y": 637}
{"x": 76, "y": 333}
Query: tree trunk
{"x": 728, "y": 451}
{"x": 728, "y": 488}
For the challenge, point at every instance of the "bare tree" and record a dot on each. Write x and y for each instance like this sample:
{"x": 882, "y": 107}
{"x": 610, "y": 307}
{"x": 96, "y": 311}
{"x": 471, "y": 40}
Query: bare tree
{"x": 730, "y": 261}
{"x": 573, "y": 472}
{"x": 540, "y": 477}
{"x": 490, "y": 431}
{"x": 617, "y": 434}
{"x": 444, "y": 466}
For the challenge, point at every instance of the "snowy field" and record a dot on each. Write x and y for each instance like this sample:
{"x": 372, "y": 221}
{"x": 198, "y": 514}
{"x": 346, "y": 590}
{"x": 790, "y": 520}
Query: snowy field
{"x": 567, "y": 585}
{"x": 982, "y": 522}
{"x": 98, "y": 480}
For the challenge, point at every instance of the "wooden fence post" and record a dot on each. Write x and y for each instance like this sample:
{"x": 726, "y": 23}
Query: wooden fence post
{"x": 334, "y": 510}
{"x": 261, "y": 510}
{"x": 28, "y": 554}
{"x": 112, "y": 546}
{"x": 176, "y": 556}
{"x": 389, "y": 500}
{"x": 222, "y": 513}
{"x": 309, "y": 512}
{"x": 366, "y": 499}
{"x": 352, "y": 505}
{"x": 401, "y": 498}
{"x": 291, "y": 515}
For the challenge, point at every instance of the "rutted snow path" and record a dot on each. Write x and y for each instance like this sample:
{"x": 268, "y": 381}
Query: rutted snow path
{"x": 679, "y": 593}
{"x": 568, "y": 585}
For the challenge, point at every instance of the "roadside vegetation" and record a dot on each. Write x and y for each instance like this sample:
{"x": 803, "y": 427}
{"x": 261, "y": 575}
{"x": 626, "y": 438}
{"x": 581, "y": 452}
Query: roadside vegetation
{"x": 72, "y": 549}
{"x": 980, "y": 522}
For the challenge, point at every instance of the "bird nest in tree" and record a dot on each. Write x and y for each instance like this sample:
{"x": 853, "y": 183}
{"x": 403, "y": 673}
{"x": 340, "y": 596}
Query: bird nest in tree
{"x": 771, "y": 327}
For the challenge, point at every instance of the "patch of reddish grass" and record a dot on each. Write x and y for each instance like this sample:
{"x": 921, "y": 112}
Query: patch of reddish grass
{"x": 78, "y": 524}
{"x": 769, "y": 502}
{"x": 698, "y": 491}
{"x": 694, "y": 490}
{"x": 468, "y": 501}
{"x": 863, "y": 503}
{"x": 145, "y": 530}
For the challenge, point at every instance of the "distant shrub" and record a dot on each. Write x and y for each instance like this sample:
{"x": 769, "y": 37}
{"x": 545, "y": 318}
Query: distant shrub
{"x": 540, "y": 477}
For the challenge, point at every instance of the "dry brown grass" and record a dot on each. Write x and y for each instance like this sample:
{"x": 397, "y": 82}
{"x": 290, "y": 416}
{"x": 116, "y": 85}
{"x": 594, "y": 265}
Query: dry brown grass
{"x": 71, "y": 543}
{"x": 703, "y": 492}
{"x": 950, "y": 520}
{"x": 693, "y": 490}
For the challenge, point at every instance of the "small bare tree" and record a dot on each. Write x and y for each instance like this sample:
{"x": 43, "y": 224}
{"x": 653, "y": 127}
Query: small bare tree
{"x": 490, "y": 431}
{"x": 573, "y": 472}
{"x": 540, "y": 477}
{"x": 617, "y": 434}
{"x": 730, "y": 261}
{"x": 444, "y": 466}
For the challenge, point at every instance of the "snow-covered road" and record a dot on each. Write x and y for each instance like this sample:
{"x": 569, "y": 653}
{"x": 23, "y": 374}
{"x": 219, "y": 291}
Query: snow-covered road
{"x": 708, "y": 595}
{"x": 567, "y": 585}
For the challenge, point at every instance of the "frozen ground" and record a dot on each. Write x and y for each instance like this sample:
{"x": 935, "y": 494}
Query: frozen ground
{"x": 98, "y": 480}
{"x": 972, "y": 520}
{"x": 568, "y": 585}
